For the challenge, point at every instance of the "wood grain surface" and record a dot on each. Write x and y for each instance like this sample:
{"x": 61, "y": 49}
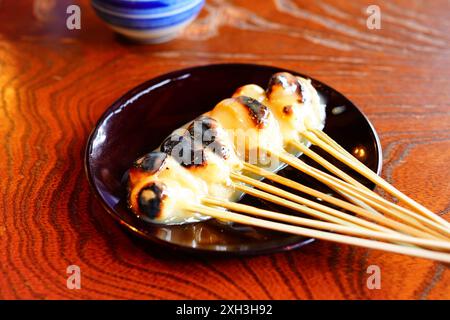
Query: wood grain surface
{"x": 55, "y": 83}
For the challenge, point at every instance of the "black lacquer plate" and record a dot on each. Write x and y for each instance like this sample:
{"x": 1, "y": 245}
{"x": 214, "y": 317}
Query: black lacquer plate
{"x": 137, "y": 122}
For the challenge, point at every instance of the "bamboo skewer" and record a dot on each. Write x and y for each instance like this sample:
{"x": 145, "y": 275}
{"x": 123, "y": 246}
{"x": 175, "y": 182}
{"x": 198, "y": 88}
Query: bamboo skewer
{"x": 338, "y": 172}
{"x": 358, "y": 203}
{"x": 270, "y": 190}
{"x": 413, "y": 220}
{"x": 340, "y": 218}
{"x": 323, "y": 136}
{"x": 363, "y": 195}
{"x": 371, "y": 244}
{"x": 326, "y": 138}
{"x": 383, "y": 205}
{"x": 362, "y": 169}
{"x": 267, "y": 214}
{"x": 434, "y": 229}
{"x": 311, "y": 154}
{"x": 392, "y": 224}
{"x": 330, "y": 167}
{"x": 354, "y": 221}
{"x": 302, "y": 188}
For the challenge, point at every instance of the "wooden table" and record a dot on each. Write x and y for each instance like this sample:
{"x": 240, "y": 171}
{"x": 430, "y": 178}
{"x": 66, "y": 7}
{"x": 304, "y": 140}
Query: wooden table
{"x": 55, "y": 83}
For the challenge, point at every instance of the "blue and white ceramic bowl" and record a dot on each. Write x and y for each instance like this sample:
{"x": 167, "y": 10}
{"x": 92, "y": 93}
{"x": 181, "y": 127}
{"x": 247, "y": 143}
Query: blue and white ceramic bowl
{"x": 152, "y": 21}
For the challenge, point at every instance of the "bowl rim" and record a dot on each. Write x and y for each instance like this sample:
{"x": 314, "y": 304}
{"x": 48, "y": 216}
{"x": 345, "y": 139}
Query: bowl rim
{"x": 147, "y": 14}
{"x": 176, "y": 73}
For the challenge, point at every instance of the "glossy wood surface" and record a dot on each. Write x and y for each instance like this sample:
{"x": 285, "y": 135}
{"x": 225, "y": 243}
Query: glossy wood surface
{"x": 55, "y": 83}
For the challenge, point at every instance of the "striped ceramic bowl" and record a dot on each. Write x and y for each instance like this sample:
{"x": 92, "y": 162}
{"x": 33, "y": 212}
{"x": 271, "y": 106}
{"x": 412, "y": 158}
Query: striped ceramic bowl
{"x": 151, "y": 21}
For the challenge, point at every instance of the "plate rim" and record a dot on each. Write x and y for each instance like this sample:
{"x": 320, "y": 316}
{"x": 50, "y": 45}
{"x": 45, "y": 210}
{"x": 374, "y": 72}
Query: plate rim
{"x": 170, "y": 75}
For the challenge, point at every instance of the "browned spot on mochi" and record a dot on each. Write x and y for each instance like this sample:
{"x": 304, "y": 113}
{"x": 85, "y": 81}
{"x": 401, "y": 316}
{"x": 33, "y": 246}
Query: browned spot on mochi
{"x": 149, "y": 201}
{"x": 259, "y": 113}
{"x": 288, "y": 110}
{"x": 284, "y": 80}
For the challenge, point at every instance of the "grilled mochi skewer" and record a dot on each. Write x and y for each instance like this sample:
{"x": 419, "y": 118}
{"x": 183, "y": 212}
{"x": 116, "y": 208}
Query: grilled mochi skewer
{"x": 302, "y": 124}
{"x": 296, "y": 105}
{"x": 258, "y": 126}
{"x": 194, "y": 162}
{"x": 156, "y": 195}
{"x": 157, "y": 184}
{"x": 292, "y": 100}
{"x": 204, "y": 154}
{"x": 260, "y": 115}
{"x": 210, "y": 166}
{"x": 153, "y": 194}
{"x": 204, "y": 150}
{"x": 210, "y": 158}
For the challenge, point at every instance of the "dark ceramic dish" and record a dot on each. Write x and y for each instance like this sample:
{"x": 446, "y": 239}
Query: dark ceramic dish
{"x": 137, "y": 122}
